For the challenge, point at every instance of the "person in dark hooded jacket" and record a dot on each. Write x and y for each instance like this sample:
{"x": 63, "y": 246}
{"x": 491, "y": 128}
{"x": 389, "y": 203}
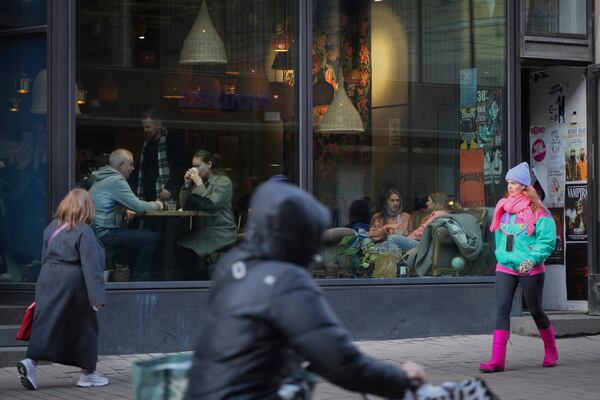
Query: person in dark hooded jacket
{"x": 264, "y": 307}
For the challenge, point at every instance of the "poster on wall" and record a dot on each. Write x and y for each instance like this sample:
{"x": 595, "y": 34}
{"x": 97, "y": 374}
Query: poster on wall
{"x": 558, "y": 255}
{"x": 489, "y": 117}
{"x": 577, "y": 271}
{"x": 546, "y": 159}
{"x": 576, "y": 212}
{"x": 576, "y": 154}
{"x": 471, "y": 178}
{"x": 468, "y": 128}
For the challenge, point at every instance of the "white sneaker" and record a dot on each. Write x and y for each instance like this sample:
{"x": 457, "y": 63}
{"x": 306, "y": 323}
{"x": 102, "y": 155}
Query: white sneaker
{"x": 26, "y": 369}
{"x": 93, "y": 379}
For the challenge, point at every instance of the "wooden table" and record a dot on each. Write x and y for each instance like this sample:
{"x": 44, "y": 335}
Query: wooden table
{"x": 176, "y": 213}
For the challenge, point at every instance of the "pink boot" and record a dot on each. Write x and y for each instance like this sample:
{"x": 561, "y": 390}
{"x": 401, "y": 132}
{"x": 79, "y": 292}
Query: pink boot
{"x": 497, "y": 362}
{"x": 551, "y": 352}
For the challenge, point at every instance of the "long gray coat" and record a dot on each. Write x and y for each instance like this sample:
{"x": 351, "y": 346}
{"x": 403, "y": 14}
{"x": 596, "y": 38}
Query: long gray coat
{"x": 65, "y": 327}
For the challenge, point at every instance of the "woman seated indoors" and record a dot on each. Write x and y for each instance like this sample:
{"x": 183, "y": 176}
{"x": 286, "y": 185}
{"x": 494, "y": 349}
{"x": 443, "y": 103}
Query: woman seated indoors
{"x": 390, "y": 221}
{"x": 397, "y": 236}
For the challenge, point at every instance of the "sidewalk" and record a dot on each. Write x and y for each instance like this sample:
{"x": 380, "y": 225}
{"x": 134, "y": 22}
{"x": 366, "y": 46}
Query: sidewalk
{"x": 445, "y": 358}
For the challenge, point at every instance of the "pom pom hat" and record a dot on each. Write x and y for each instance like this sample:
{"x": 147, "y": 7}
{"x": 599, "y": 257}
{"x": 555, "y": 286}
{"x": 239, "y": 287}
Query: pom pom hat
{"x": 519, "y": 173}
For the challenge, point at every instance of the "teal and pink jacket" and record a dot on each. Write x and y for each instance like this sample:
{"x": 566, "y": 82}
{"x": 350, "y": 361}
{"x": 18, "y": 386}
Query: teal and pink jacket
{"x": 535, "y": 247}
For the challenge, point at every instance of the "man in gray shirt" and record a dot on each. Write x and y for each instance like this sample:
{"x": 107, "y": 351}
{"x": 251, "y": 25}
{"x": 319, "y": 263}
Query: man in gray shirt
{"x": 116, "y": 203}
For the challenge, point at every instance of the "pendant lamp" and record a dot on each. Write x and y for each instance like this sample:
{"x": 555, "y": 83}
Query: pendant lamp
{"x": 203, "y": 45}
{"x": 40, "y": 93}
{"x": 23, "y": 84}
{"x": 39, "y": 103}
{"x": 342, "y": 116}
{"x": 282, "y": 61}
{"x": 13, "y": 104}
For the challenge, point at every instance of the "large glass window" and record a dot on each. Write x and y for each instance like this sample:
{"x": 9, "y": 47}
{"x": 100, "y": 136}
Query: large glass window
{"x": 23, "y": 142}
{"x": 409, "y": 113}
{"x": 164, "y": 79}
{"x": 556, "y": 17}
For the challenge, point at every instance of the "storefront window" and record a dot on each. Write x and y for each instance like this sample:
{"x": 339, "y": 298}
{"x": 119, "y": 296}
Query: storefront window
{"x": 556, "y": 17}
{"x": 23, "y": 143}
{"x": 409, "y": 113}
{"x": 164, "y": 80}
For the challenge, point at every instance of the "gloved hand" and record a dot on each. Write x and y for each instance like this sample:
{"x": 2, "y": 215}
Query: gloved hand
{"x": 525, "y": 267}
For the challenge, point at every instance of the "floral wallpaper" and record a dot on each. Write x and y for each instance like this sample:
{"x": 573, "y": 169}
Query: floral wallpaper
{"x": 349, "y": 56}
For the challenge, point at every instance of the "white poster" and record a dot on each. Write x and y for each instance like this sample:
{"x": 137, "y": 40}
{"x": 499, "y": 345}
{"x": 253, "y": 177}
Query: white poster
{"x": 547, "y": 162}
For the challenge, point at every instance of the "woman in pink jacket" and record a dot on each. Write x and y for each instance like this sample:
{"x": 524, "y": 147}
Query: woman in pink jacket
{"x": 437, "y": 202}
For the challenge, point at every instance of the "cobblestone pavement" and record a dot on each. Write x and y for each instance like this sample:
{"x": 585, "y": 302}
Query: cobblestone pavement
{"x": 445, "y": 358}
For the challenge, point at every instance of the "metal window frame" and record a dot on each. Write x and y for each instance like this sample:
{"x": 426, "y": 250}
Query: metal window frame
{"x": 558, "y": 41}
{"x": 560, "y": 35}
{"x": 61, "y": 92}
{"x": 593, "y": 254}
{"x": 592, "y": 82}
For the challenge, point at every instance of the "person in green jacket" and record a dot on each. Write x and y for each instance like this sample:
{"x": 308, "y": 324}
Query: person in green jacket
{"x": 207, "y": 190}
{"x": 525, "y": 236}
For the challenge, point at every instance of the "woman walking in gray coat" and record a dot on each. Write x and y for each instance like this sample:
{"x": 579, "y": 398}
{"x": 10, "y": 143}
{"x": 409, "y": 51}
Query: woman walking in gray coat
{"x": 69, "y": 291}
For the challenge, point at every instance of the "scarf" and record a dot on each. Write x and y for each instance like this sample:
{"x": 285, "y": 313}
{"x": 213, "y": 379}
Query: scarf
{"x": 520, "y": 205}
{"x": 389, "y": 212}
{"x": 164, "y": 173}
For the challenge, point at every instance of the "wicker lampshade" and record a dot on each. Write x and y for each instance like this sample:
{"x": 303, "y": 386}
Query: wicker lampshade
{"x": 39, "y": 103}
{"x": 203, "y": 45}
{"x": 342, "y": 116}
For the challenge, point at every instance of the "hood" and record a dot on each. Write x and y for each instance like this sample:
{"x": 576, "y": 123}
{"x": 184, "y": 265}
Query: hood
{"x": 104, "y": 172}
{"x": 286, "y": 223}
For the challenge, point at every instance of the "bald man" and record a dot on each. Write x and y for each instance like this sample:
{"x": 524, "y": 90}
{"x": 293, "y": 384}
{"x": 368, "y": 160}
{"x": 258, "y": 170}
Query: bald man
{"x": 113, "y": 199}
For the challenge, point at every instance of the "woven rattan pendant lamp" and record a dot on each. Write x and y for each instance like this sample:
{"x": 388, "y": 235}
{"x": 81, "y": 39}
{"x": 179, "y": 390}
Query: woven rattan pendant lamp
{"x": 342, "y": 116}
{"x": 203, "y": 45}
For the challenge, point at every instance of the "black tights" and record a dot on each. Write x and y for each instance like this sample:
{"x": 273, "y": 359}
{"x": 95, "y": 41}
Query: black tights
{"x": 532, "y": 287}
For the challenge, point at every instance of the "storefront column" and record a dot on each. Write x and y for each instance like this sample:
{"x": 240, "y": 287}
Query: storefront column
{"x": 61, "y": 92}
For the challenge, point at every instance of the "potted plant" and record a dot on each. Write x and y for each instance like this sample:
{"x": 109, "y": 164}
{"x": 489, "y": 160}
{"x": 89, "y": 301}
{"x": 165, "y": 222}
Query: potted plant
{"x": 336, "y": 259}
{"x": 121, "y": 273}
{"x": 380, "y": 263}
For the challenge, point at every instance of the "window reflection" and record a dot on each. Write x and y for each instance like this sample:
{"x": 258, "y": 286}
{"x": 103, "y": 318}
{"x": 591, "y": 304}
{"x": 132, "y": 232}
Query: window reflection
{"x": 427, "y": 81}
{"x": 216, "y": 76}
{"x": 23, "y": 156}
{"x": 555, "y": 17}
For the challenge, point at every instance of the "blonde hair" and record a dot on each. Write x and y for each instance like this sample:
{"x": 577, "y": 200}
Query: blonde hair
{"x": 76, "y": 208}
{"x": 440, "y": 201}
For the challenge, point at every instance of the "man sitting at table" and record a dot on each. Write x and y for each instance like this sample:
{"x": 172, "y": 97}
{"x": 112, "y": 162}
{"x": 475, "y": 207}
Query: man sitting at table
{"x": 115, "y": 204}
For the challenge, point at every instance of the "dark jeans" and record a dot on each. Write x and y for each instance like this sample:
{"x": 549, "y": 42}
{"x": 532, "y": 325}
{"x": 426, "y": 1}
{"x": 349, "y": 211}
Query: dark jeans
{"x": 143, "y": 240}
{"x": 532, "y": 286}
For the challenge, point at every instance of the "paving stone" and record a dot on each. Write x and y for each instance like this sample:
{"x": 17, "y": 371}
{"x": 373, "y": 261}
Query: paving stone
{"x": 445, "y": 358}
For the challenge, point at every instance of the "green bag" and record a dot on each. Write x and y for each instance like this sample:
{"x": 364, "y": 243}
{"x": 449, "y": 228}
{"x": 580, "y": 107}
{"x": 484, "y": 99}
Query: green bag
{"x": 162, "y": 378}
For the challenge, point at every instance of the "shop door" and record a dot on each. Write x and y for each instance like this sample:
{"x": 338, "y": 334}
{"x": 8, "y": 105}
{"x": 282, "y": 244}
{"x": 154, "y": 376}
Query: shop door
{"x": 593, "y": 92}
